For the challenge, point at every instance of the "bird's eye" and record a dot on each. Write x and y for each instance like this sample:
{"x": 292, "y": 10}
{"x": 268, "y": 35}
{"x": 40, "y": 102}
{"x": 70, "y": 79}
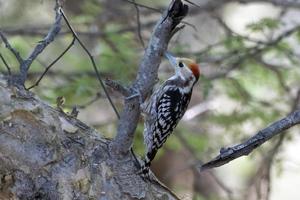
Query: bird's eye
{"x": 180, "y": 64}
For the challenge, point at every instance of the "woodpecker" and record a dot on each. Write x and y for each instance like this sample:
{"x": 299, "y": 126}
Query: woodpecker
{"x": 167, "y": 105}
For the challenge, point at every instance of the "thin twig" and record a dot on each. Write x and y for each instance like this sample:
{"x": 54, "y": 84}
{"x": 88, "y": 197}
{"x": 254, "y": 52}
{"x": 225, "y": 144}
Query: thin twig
{"x": 193, "y": 26}
{"x": 276, "y": 71}
{"x": 138, "y": 23}
{"x": 7, "y": 45}
{"x": 231, "y": 32}
{"x": 66, "y": 75}
{"x": 240, "y": 57}
{"x": 192, "y": 3}
{"x": 92, "y": 61}
{"x": 118, "y": 87}
{"x": 93, "y": 100}
{"x": 53, "y": 62}
{"x": 53, "y": 32}
{"x": 184, "y": 142}
{"x": 39, "y": 31}
{"x": 6, "y": 65}
{"x": 144, "y": 6}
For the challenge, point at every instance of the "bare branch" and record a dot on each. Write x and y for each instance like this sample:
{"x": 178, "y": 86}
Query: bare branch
{"x": 7, "y": 45}
{"x": 118, "y": 87}
{"x": 192, "y": 3}
{"x": 66, "y": 75}
{"x": 139, "y": 24}
{"x": 53, "y": 32}
{"x": 92, "y": 61}
{"x": 230, "y": 153}
{"x": 40, "y": 30}
{"x": 230, "y": 32}
{"x": 90, "y": 102}
{"x": 144, "y": 6}
{"x": 6, "y": 65}
{"x": 147, "y": 75}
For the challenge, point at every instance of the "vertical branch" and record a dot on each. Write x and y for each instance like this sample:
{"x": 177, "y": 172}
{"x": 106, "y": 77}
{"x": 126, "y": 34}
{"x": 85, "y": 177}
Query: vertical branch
{"x": 53, "y": 32}
{"x": 138, "y": 21}
{"x": 147, "y": 74}
{"x": 19, "y": 80}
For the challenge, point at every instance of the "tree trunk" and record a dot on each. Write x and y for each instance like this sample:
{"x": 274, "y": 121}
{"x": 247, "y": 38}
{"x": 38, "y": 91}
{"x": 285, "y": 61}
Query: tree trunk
{"x": 46, "y": 154}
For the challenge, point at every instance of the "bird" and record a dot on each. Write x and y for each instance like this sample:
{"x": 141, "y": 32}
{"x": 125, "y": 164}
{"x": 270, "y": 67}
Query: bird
{"x": 167, "y": 105}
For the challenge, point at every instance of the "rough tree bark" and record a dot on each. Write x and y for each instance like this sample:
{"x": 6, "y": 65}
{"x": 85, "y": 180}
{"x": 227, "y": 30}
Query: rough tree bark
{"x": 45, "y": 154}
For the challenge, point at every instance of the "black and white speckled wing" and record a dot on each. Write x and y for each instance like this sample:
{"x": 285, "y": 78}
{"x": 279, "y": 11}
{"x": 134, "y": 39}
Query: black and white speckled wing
{"x": 150, "y": 110}
{"x": 170, "y": 108}
{"x": 167, "y": 107}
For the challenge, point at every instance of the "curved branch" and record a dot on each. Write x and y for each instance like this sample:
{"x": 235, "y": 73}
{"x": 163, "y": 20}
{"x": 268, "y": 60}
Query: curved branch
{"x": 230, "y": 153}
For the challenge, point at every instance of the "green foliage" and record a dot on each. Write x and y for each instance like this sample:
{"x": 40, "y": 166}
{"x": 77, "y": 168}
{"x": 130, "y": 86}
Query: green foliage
{"x": 89, "y": 11}
{"x": 197, "y": 141}
{"x": 22, "y": 45}
{"x": 173, "y": 143}
{"x": 234, "y": 43}
{"x": 264, "y": 24}
{"x": 77, "y": 91}
{"x": 297, "y": 34}
{"x": 257, "y": 79}
{"x": 118, "y": 56}
{"x": 18, "y": 43}
{"x": 229, "y": 120}
{"x": 10, "y": 59}
{"x": 206, "y": 86}
{"x": 211, "y": 197}
{"x": 281, "y": 50}
{"x": 91, "y": 8}
{"x": 198, "y": 197}
{"x": 138, "y": 144}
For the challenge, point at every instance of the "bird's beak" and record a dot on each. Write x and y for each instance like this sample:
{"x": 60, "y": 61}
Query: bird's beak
{"x": 171, "y": 58}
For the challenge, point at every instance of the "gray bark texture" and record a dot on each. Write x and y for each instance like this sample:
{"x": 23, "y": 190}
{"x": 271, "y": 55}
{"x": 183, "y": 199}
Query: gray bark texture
{"x": 46, "y": 154}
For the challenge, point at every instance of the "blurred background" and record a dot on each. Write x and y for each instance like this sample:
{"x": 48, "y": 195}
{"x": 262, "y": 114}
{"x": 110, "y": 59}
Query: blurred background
{"x": 249, "y": 57}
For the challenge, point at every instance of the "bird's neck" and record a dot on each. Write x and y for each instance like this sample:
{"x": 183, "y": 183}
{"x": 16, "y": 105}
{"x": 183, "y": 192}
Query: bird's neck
{"x": 184, "y": 84}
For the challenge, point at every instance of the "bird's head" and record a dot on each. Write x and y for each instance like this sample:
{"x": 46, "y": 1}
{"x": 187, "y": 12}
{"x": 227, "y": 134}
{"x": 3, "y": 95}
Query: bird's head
{"x": 184, "y": 67}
